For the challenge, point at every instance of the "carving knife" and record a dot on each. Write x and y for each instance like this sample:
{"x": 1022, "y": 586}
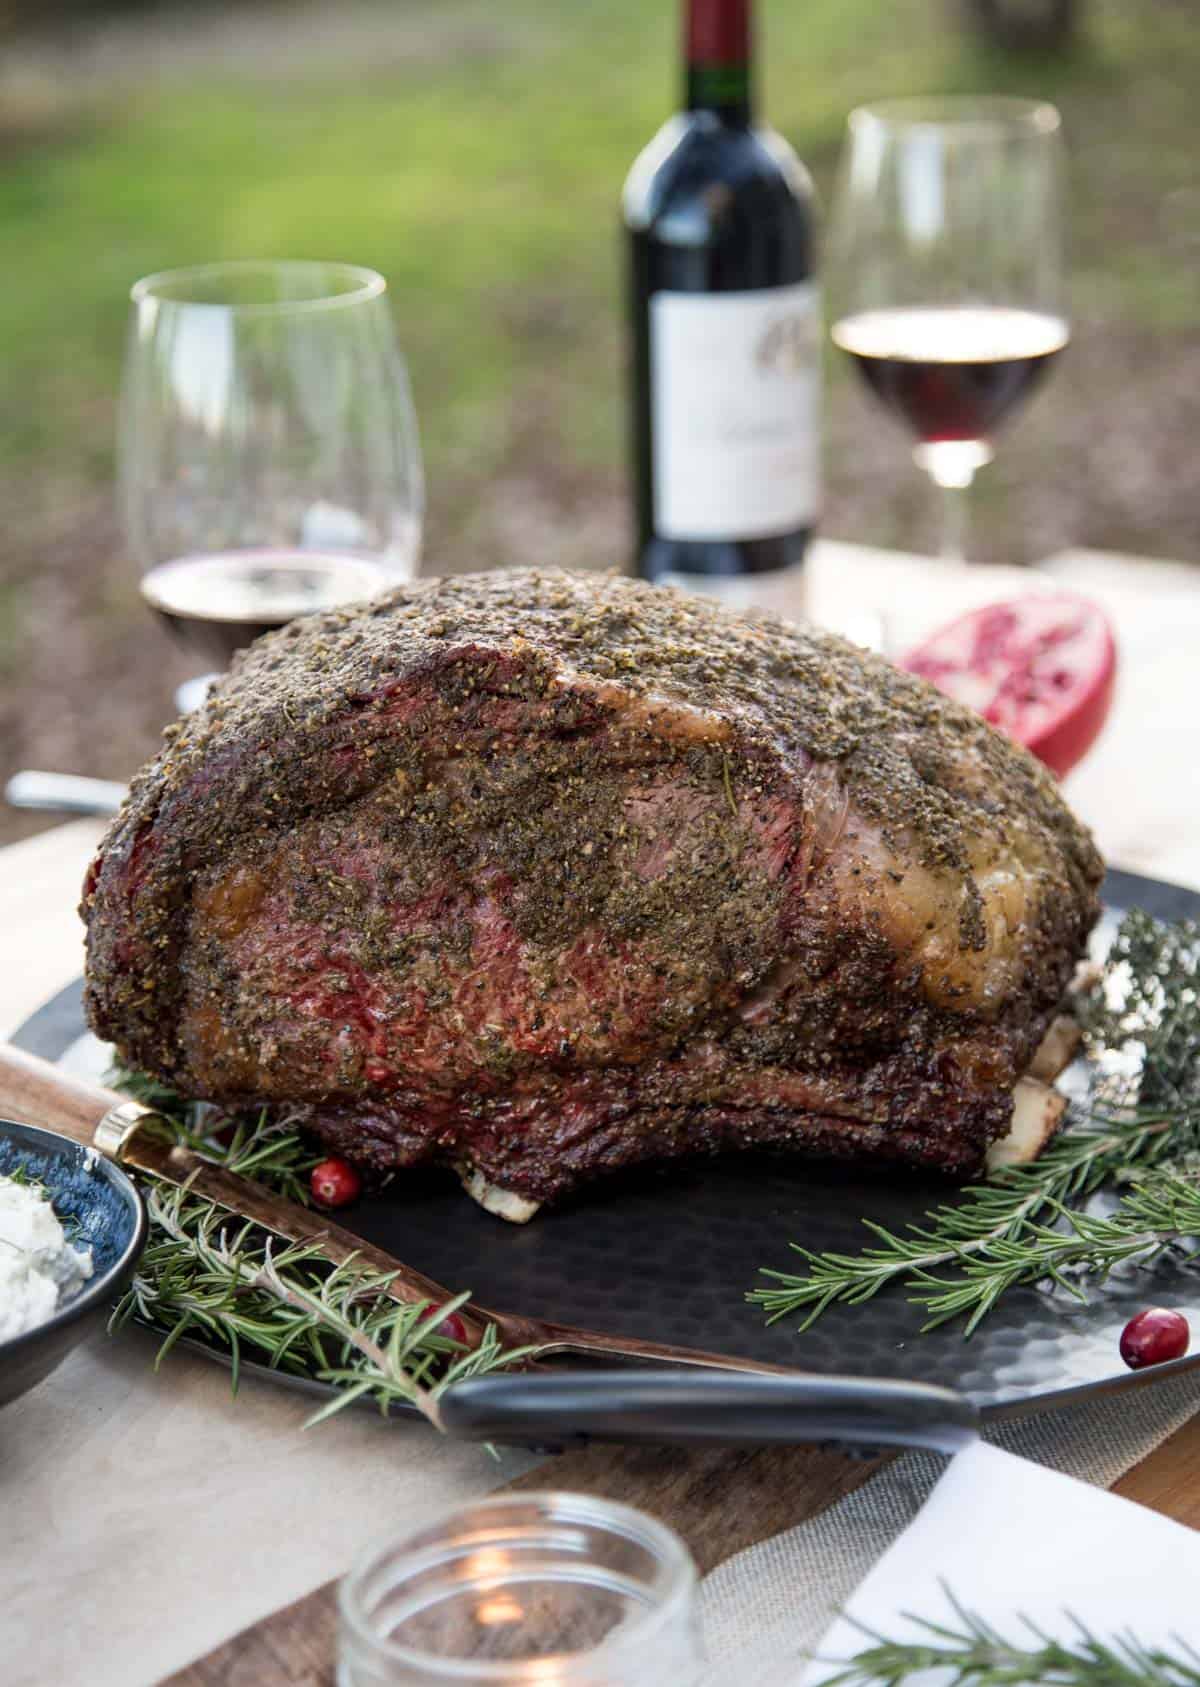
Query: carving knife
{"x": 715, "y": 1399}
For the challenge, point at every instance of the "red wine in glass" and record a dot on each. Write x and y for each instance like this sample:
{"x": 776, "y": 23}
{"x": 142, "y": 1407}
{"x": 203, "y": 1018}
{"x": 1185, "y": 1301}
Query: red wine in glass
{"x": 954, "y": 373}
{"x": 948, "y": 271}
{"x": 218, "y": 604}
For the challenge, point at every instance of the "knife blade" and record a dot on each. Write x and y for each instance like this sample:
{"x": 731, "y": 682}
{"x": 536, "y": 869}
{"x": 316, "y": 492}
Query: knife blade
{"x": 34, "y": 1090}
{"x": 38, "y": 1092}
{"x": 702, "y": 1397}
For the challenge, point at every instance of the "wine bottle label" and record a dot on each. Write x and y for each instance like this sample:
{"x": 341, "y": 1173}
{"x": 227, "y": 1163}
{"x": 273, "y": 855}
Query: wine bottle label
{"x": 734, "y": 397}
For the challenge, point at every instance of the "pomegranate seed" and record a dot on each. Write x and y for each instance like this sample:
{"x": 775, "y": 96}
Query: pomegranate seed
{"x": 453, "y": 1328}
{"x": 1154, "y": 1336}
{"x": 996, "y": 627}
{"x": 932, "y": 667}
{"x": 334, "y": 1183}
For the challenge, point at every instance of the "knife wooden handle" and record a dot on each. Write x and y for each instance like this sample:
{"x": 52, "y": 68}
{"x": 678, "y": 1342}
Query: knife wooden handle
{"x": 34, "y": 1092}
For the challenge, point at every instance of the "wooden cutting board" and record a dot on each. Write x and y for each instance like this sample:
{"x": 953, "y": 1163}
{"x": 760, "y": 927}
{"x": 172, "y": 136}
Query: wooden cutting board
{"x": 718, "y": 1501}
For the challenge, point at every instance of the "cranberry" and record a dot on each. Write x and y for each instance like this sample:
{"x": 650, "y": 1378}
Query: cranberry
{"x": 334, "y": 1183}
{"x": 453, "y": 1328}
{"x": 1154, "y": 1336}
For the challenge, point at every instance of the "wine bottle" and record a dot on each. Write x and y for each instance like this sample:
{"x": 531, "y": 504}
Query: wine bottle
{"x": 726, "y": 344}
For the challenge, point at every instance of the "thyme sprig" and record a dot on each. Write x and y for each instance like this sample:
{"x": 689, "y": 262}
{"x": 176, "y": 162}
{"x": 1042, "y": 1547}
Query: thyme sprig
{"x": 972, "y": 1653}
{"x": 1137, "y": 1133}
{"x": 209, "y": 1275}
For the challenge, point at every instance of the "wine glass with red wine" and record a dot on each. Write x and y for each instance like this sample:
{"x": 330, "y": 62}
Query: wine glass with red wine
{"x": 947, "y": 273}
{"x": 269, "y": 462}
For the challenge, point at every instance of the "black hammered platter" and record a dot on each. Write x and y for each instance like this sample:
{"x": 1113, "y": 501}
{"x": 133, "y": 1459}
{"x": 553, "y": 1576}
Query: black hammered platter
{"x": 667, "y": 1256}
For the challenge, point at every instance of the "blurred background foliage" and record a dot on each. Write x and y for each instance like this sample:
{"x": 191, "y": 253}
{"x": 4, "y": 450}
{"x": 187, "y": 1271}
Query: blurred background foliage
{"x": 474, "y": 153}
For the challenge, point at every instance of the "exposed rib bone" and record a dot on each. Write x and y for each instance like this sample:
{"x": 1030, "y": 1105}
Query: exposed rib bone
{"x": 1036, "y": 1115}
{"x": 503, "y": 1202}
{"x": 1057, "y": 1049}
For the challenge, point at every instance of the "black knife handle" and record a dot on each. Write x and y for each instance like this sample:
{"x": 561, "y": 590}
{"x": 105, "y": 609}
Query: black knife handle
{"x": 702, "y": 1407}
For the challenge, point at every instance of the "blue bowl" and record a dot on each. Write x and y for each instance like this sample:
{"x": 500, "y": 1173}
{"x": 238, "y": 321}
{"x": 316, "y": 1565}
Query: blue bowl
{"x": 100, "y": 1209}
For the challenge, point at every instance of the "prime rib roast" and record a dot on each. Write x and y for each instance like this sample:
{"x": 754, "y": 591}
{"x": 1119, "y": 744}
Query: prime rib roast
{"x": 539, "y": 876}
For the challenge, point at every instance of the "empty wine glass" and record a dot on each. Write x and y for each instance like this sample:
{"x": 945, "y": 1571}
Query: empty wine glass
{"x": 269, "y": 462}
{"x": 947, "y": 273}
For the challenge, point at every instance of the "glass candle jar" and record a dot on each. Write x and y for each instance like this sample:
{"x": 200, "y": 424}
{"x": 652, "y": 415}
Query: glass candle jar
{"x": 557, "y": 1589}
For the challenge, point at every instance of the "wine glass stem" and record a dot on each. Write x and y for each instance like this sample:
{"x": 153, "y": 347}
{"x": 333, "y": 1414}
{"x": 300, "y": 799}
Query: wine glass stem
{"x": 955, "y": 515}
{"x": 951, "y": 464}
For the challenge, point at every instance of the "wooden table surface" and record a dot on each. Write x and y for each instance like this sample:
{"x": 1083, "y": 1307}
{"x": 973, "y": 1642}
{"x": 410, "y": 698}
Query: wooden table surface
{"x": 126, "y": 1563}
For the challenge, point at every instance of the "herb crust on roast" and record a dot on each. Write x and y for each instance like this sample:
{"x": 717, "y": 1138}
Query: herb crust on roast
{"x": 543, "y": 875}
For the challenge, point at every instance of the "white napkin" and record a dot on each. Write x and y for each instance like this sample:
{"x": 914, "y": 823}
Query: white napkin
{"x": 1010, "y": 1538}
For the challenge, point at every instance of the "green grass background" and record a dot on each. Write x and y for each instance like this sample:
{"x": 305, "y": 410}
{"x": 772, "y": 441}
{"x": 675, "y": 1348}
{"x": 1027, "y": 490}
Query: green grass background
{"x": 482, "y": 178}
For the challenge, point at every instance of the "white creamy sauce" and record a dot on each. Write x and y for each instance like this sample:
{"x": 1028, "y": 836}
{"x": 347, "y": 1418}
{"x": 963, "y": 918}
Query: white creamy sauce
{"x": 39, "y": 1268}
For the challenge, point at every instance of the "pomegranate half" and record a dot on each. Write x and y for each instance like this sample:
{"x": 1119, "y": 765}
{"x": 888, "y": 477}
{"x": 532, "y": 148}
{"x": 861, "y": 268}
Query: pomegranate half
{"x": 1042, "y": 668}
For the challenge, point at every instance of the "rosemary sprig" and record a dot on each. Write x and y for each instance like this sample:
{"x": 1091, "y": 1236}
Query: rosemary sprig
{"x": 972, "y": 1653}
{"x": 208, "y": 1274}
{"x": 1137, "y": 1132}
{"x": 221, "y": 1278}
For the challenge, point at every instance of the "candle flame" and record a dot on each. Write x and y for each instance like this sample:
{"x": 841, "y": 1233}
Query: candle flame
{"x": 500, "y": 1608}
